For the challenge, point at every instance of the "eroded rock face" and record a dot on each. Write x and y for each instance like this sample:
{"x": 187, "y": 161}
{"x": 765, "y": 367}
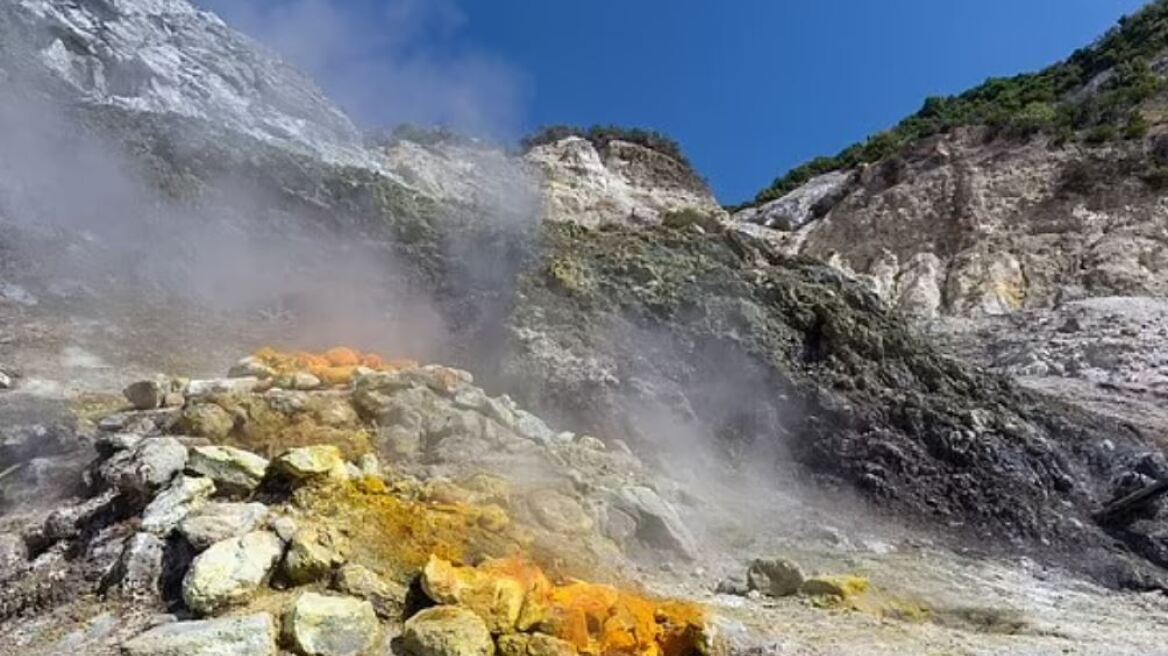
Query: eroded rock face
{"x": 625, "y": 183}
{"x": 168, "y": 57}
{"x": 1002, "y": 225}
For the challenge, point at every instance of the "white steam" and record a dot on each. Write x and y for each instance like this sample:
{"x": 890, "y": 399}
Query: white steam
{"x": 388, "y": 62}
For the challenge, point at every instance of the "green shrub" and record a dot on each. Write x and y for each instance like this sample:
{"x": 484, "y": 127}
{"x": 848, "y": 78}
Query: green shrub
{"x": 1024, "y": 105}
{"x": 601, "y": 135}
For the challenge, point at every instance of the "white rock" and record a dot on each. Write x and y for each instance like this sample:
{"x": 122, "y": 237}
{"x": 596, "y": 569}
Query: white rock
{"x": 320, "y": 625}
{"x": 231, "y": 571}
{"x": 201, "y": 388}
{"x": 232, "y": 469}
{"x": 252, "y": 635}
{"x": 174, "y": 503}
{"x": 216, "y": 521}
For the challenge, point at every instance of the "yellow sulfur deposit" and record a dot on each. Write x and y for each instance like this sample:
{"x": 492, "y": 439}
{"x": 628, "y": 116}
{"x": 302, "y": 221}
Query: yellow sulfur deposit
{"x": 512, "y": 594}
{"x": 336, "y": 366}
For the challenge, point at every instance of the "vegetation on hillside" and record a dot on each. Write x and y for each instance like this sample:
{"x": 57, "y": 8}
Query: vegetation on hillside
{"x": 601, "y": 135}
{"x": 1093, "y": 95}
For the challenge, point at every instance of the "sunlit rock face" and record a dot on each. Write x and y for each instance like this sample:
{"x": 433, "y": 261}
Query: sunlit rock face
{"x": 620, "y": 183}
{"x": 169, "y": 57}
{"x": 963, "y": 226}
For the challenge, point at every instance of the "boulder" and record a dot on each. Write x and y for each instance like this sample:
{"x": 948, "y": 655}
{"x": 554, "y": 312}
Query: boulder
{"x": 312, "y": 463}
{"x": 320, "y": 625}
{"x": 233, "y": 470}
{"x": 446, "y": 631}
{"x": 658, "y": 523}
{"x": 774, "y": 577}
{"x": 251, "y": 635}
{"x": 312, "y": 556}
{"x": 139, "y": 569}
{"x": 230, "y": 572}
{"x": 559, "y": 512}
{"x": 145, "y": 468}
{"x": 206, "y": 420}
{"x": 175, "y": 502}
{"x": 216, "y": 521}
{"x": 388, "y": 597}
{"x": 145, "y": 394}
{"x": 505, "y": 598}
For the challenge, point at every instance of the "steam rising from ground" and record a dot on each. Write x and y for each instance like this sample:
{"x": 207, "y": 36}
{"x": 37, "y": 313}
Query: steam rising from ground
{"x": 388, "y": 62}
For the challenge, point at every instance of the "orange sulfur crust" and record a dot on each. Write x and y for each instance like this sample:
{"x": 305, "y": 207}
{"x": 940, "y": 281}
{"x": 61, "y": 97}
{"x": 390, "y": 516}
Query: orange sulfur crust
{"x": 336, "y": 367}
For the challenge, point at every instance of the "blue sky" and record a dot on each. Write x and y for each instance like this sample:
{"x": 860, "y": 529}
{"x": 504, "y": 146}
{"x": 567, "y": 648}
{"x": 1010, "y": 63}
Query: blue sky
{"x": 750, "y": 88}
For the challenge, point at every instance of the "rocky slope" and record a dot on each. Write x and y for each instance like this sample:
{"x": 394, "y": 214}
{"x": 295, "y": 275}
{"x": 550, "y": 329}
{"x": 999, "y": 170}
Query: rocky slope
{"x": 687, "y": 398}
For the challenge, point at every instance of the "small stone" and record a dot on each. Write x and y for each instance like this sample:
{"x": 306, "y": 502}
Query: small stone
{"x": 173, "y": 400}
{"x": 534, "y": 644}
{"x": 252, "y": 635}
{"x": 312, "y": 556}
{"x": 174, "y": 503}
{"x": 320, "y": 625}
{"x": 733, "y": 586}
{"x": 310, "y": 463}
{"x": 388, "y": 598}
{"x": 145, "y": 394}
{"x": 285, "y": 527}
{"x": 446, "y": 631}
{"x": 231, "y": 571}
{"x": 5, "y": 381}
{"x": 233, "y": 470}
{"x": 139, "y": 570}
{"x": 216, "y": 521}
{"x": 774, "y": 577}
{"x": 201, "y": 388}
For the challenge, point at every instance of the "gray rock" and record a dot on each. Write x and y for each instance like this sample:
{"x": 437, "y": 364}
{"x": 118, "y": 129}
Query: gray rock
{"x": 173, "y": 504}
{"x": 234, "y": 470}
{"x": 107, "y": 444}
{"x": 774, "y": 577}
{"x": 446, "y": 631}
{"x": 231, "y": 571}
{"x": 801, "y": 205}
{"x": 251, "y": 367}
{"x": 658, "y": 523}
{"x": 145, "y": 394}
{"x": 320, "y": 625}
{"x": 215, "y": 522}
{"x": 533, "y": 428}
{"x": 138, "y": 573}
{"x": 252, "y": 635}
{"x": 207, "y": 420}
{"x": 202, "y": 388}
{"x": 70, "y": 521}
{"x": 13, "y": 553}
{"x": 5, "y": 381}
{"x": 388, "y": 598}
{"x": 145, "y": 468}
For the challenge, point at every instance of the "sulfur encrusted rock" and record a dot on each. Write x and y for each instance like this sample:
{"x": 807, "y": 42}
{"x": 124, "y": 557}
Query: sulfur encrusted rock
{"x": 323, "y": 625}
{"x": 230, "y": 572}
{"x": 533, "y": 644}
{"x": 206, "y": 420}
{"x": 446, "y": 631}
{"x": 388, "y": 597}
{"x": 312, "y": 556}
{"x": 312, "y": 463}
{"x": 252, "y": 635}
{"x": 233, "y": 470}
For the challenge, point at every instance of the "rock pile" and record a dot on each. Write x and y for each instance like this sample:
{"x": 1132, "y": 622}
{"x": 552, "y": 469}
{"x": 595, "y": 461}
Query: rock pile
{"x": 312, "y": 545}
